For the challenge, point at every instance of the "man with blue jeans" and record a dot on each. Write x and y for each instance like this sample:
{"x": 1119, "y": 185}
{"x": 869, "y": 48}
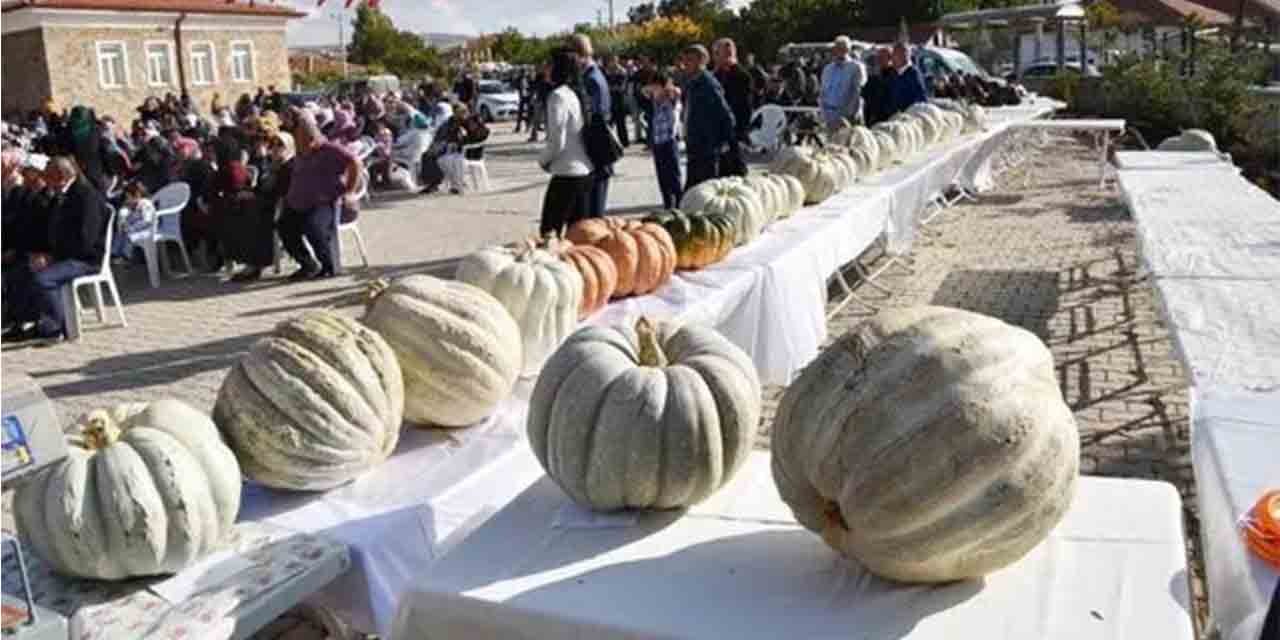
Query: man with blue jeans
{"x": 598, "y": 106}
{"x": 73, "y": 246}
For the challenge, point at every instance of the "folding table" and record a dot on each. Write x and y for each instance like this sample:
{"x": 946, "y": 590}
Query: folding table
{"x": 1101, "y": 129}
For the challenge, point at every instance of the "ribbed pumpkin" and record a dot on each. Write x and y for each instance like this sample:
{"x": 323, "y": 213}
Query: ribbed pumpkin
{"x": 817, "y": 174}
{"x": 1190, "y": 140}
{"x": 643, "y": 253}
{"x": 773, "y": 197}
{"x": 145, "y": 489}
{"x": 889, "y": 152}
{"x": 794, "y": 191}
{"x": 930, "y": 444}
{"x": 699, "y": 240}
{"x": 542, "y": 293}
{"x": 652, "y": 417}
{"x": 861, "y": 137}
{"x": 458, "y": 348}
{"x": 314, "y": 404}
{"x": 599, "y": 274}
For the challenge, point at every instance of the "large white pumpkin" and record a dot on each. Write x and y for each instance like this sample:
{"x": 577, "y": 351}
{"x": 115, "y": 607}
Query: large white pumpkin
{"x": 313, "y": 405}
{"x": 542, "y": 293}
{"x": 930, "y": 444}
{"x": 773, "y": 197}
{"x": 733, "y": 198}
{"x": 889, "y": 152}
{"x": 817, "y": 174}
{"x": 1190, "y": 140}
{"x": 794, "y": 191}
{"x": 459, "y": 349}
{"x": 146, "y": 489}
{"x": 651, "y": 417}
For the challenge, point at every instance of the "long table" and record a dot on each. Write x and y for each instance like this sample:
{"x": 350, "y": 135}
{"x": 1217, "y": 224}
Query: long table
{"x": 739, "y": 566}
{"x": 769, "y": 296}
{"x": 1211, "y": 242}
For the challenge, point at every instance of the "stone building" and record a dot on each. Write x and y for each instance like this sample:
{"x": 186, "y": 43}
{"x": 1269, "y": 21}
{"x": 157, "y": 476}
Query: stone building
{"x": 111, "y": 54}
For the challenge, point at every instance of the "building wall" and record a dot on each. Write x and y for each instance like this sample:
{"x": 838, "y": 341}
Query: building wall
{"x": 73, "y": 64}
{"x": 26, "y": 77}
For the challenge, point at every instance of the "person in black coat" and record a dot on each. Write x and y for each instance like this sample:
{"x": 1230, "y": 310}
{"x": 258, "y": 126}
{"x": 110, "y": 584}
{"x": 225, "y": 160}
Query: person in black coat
{"x": 736, "y": 83}
{"x": 710, "y": 128}
{"x": 877, "y": 100}
{"x": 74, "y": 246}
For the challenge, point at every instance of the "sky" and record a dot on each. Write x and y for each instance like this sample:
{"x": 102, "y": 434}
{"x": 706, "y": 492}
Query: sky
{"x": 466, "y": 17}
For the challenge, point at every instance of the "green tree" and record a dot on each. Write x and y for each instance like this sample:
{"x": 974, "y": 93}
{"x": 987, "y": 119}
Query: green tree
{"x": 703, "y": 12}
{"x": 373, "y": 36}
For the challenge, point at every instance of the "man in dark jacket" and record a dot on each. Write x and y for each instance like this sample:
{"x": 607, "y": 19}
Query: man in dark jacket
{"x": 599, "y": 105}
{"x": 73, "y": 247}
{"x": 908, "y": 85}
{"x": 710, "y": 122}
{"x": 876, "y": 102}
{"x": 736, "y": 83}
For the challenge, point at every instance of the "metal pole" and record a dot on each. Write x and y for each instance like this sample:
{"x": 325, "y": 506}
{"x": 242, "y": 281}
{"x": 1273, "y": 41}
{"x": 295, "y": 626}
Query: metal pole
{"x": 611, "y": 14}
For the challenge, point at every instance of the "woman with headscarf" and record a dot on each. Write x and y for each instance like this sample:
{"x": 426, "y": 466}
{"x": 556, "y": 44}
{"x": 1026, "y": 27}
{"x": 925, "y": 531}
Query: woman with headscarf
{"x": 83, "y": 141}
{"x": 248, "y": 233}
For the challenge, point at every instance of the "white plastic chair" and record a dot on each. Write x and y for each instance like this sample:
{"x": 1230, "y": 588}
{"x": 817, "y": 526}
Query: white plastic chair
{"x": 169, "y": 201}
{"x": 352, "y": 227}
{"x": 70, "y": 292}
{"x": 475, "y": 170}
{"x": 767, "y": 126}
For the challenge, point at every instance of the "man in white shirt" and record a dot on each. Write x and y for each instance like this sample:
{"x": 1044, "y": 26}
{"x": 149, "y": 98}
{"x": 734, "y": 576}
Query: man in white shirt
{"x": 842, "y": 81}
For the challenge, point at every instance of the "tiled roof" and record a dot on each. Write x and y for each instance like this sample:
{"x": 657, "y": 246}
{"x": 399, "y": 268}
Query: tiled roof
{"x": 1172, "y": 11}
{"x": 1252, "y": 8}
{"x": 223, "y": 7}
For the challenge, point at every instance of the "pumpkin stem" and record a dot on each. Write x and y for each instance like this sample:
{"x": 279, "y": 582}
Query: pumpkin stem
{"x": 99, "y": 431}
{"x": 835, "y": 527}
{"x": 651, "y": 354}
{"x": 376, "y": 288}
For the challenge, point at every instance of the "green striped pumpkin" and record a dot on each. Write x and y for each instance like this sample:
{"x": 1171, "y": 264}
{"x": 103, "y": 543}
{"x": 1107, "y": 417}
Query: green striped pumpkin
{"x": 700, "y": 240}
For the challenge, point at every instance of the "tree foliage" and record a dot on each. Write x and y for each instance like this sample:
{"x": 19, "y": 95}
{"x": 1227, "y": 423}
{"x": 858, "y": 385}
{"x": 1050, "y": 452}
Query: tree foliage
{"x": 642, "y": 13}
{"x": 377, "y": 43}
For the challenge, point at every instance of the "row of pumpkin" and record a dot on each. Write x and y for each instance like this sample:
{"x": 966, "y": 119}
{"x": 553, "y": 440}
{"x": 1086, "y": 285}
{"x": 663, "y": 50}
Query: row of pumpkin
{"x": 650, "y": 416}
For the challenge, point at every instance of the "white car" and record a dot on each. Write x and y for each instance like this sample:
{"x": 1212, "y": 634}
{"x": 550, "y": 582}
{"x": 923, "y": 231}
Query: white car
{"x": 497, "y": 101}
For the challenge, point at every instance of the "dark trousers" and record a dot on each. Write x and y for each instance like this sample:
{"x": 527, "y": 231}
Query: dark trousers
{"x": 316, "y": 226}
{"x": 731, "y": 163}
{"x": 666, "y": 161}
{"x": 701, "y": 169}
{"x": 598, "y": 196}
{"x": 37, "y": 294}
{"x": 564, "y": 203}
{"x": 522, "y": 113}
{"x": 620, "y": 123}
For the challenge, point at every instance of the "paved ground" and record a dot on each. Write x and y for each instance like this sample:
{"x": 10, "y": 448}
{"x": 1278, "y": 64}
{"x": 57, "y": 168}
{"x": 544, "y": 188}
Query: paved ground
{"x": 1055, "y": 256}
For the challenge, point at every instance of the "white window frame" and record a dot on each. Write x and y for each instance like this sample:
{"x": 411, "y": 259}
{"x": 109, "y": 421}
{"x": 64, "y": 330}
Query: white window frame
{"x": 231, "y": 61}
{"x": 213, "y": 62}
{"x": 124, "y": 59}
{"x": 172, "y": 60}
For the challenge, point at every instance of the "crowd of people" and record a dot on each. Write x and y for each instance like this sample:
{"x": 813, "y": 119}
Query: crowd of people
{"x": 265, "y": 167}
{"x": 706, "y": 99}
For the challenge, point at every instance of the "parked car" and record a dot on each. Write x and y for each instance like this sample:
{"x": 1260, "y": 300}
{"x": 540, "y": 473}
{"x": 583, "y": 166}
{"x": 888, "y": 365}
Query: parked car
{"x": 497, "y": 100}
{"x": 378, "y": 85}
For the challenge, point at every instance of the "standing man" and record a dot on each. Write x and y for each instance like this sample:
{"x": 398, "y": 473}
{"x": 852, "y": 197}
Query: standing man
{"x": 598, "y": 106}
{"x": 709, "y": 122}
{"x": 322, "y": 171}
{"x": 908, "y": 85}
{"x": 759, "y": 80}
{"x": 736, "y": 83}
{"x": 523, "y": 108}
{"x": 72, "y": 245}
{"x": 842, "y": 81}
{"x": 616, "y": 76}
{"x": 876, "y": 98}
{"x": 640, "y": 80}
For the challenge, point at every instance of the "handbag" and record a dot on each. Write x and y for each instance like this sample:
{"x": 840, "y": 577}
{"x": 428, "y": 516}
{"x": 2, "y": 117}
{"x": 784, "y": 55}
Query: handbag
{"x": 602, "y": 145}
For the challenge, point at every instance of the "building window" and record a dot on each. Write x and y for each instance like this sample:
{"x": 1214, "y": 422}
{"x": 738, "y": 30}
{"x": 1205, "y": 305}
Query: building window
{"x": 202, "y": 67}
{"x": 159, "y": 64}
{"x": 113, "y": 65}
{"x": 242, "y": 61}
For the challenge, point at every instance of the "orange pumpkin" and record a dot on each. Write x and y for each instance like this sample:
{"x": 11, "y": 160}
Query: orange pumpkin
{"x": 599, "y": 274}
{"x": 643, "y": 252}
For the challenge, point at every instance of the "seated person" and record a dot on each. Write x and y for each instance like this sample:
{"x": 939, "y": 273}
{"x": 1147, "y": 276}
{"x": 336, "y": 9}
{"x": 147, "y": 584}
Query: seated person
{"x": 133, "y": 220}
{"x": 73, "y": 247}
{"x": 445, "y": 150}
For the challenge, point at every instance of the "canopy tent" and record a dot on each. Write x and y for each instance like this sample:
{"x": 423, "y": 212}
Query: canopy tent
{"x": 1069, "y": 10}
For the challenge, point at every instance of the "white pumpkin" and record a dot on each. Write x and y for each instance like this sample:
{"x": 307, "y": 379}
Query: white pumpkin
{"x": 930, "y": 444}
{"x": 313, "y": 405}
{"x": 148, "y": 489}
{"x": 542, "y": 293}
{"x": 652, "y": 417}
{"x": 862, "y": 137}
{"x": 459, "y": 348}
{"x": 889, "y": 152}
{"x": 792, "y": 193}
{"x": 865, "y": 162}
{"x": 735, "y": 199}
{"x": 1190, "y": 140}
{"x": 696, "y": 197}
{"x": 772, "y": 197}
{"x": 845, "y": 165}
{"x": 817, "y": 174}
{"x": 975, "y": 118}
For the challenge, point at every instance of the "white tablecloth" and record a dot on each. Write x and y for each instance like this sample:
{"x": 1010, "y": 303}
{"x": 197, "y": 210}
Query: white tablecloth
{"x": 400, "y": 516}
{"x": 1172, "y": 160}
{"x": 739, "y": 567}
{"x": 1235, "y": 451}
{"x": 769, "y": 297}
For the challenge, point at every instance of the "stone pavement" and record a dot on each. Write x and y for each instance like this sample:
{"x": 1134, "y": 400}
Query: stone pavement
{"x": 1056, "y": 257}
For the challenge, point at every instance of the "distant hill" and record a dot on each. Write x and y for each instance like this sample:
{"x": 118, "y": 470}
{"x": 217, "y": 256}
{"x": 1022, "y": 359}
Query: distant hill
{"x": 445, "y": 40}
